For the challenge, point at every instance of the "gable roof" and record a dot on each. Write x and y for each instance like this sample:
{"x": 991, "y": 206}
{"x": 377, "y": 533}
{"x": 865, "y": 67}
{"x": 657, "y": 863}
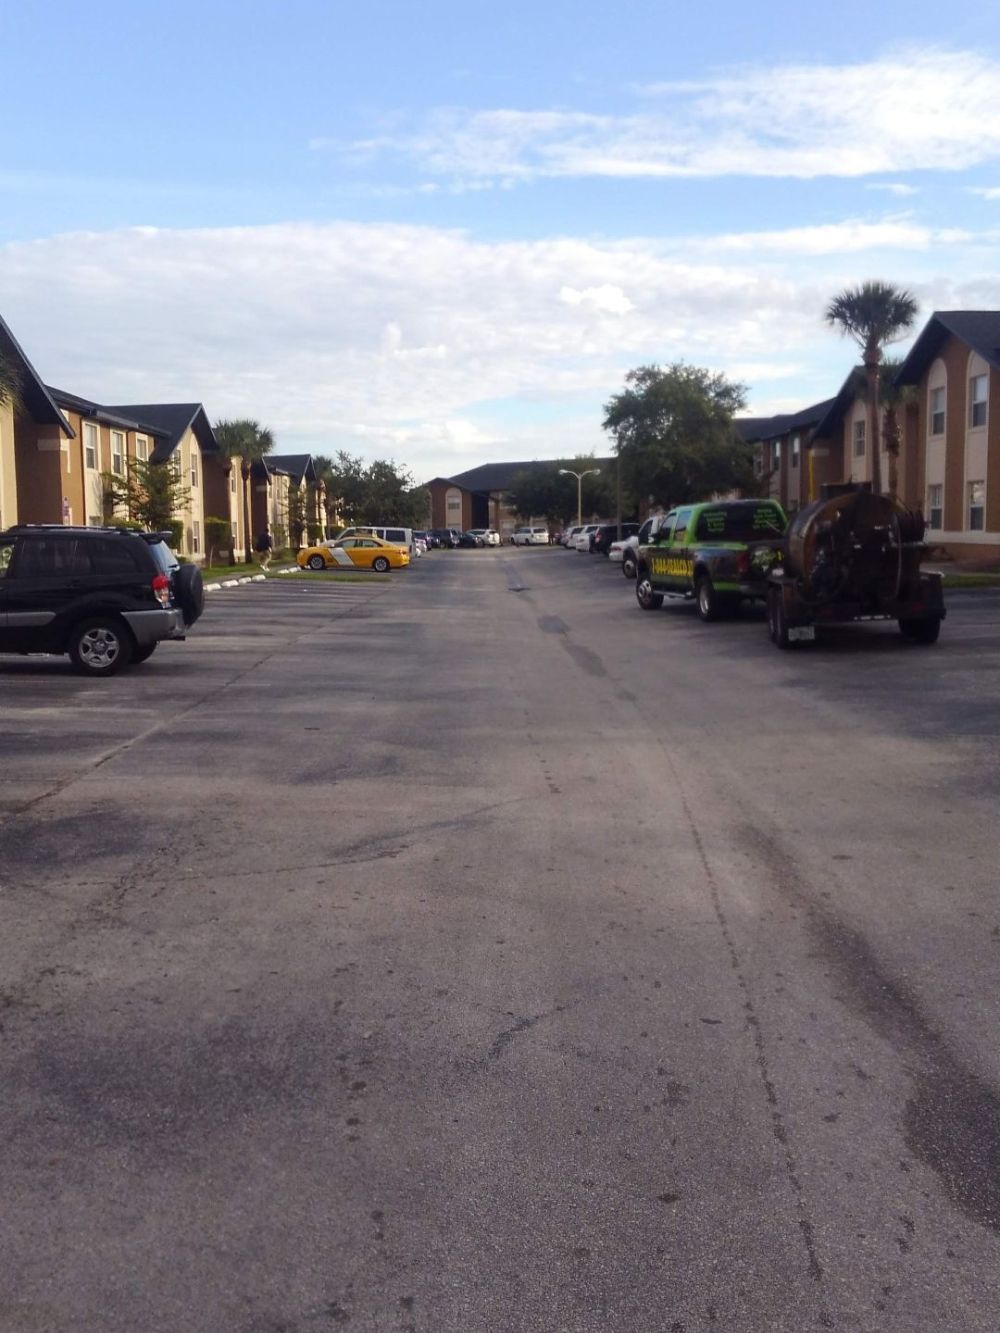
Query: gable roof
{"x": 34, "y": 395}
{"x": 490, "y": 477}
{"x": 978, "y": 329}
{"x": 754, "y": 429}
{"x": 170, "y": 421}
{"x": 298, "y": 466}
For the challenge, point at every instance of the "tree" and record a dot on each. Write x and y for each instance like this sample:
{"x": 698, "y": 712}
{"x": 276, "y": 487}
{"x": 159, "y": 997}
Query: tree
{"x": 10, "y": 381}
{"x": 674, "y": 433}
{"x": 150, "y": 493}
{"x": 539, "y": 491}
{"x": 893, "y": 397}
{"x": 249, "y": 441}
{"x": 218, "y": 537}
{"x": 323, "y": 468}
{"x": 874, "y": 314}
{"x": 297, "y": 514}
{"x": 378, "y": 492}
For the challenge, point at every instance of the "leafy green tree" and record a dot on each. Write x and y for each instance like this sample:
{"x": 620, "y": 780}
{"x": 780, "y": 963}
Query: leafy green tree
{"x": 674, "y": 434}
{"x": 874, "y": 314}
{"x": 543, "y": 491}
{"x": 297, "y": 514}
{"x": 218, "y": 537}
{"x": 325, "y": 474}
{"x": 245, "y": 439}
{"x": 150, "y": 493}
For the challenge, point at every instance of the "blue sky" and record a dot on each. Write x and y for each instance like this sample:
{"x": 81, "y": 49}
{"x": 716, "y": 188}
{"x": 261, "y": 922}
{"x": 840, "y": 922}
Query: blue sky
{"x": 444, "y": 232}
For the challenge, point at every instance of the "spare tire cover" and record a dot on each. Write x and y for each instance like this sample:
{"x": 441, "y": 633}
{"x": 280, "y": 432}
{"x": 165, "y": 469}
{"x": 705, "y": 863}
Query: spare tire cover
{"x": 189, "y": 592}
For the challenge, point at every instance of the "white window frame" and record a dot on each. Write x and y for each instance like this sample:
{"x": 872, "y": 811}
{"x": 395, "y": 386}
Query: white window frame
{"x": 118, "y": 459}
{"x": 860, "y": 435}
{"x": 977, "y": 508}
{"x": 194, "y": 470}
{"x": 195, "y": 537}
{"x": 976, "y": 403}
{"x": 142, "y": 448}
{"x": 935, "y": 512}
{"x": 796, "y": 450}
{"x": 776, "y": 452}
{"x": 90, "y": 431}
{"x": 934, "y": 412}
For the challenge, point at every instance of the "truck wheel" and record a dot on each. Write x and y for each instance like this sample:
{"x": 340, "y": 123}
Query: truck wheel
{"x": 628, "y": 566}
{"x": 709, "y": 602}
{"x": 921, "y": 631}
{"x": 645, "y": 596}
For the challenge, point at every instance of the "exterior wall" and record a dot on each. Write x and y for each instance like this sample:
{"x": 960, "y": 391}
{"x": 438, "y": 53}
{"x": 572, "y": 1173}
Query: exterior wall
{"x": 219, "y": 497}
{"x": 278, "y": 508}
{"x": 188, "y": 457}
{"x": 8, "y": 469}
{"x": 38, "y": 464}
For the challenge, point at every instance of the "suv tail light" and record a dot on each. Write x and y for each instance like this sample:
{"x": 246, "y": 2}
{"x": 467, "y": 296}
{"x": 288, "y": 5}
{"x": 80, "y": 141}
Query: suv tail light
{"x": 743, "y": 564}
{"x": 161, "y": 589}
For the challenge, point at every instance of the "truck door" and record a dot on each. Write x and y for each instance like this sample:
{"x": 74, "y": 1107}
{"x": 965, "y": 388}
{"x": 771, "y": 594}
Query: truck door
{"x": 679, "y": 570}
{"x": 659, "y": 546}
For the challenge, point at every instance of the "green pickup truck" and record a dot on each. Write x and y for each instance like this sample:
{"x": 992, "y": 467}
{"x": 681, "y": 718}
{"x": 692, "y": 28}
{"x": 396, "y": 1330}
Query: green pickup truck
{"x": 717, "y": 553}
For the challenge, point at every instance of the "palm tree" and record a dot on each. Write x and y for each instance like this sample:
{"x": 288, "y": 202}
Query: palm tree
{"x": 893, "y": 397}
{"x": 10, "y": 381}
{"x": 874, "y": 314}
{"x": 248, "y": 441}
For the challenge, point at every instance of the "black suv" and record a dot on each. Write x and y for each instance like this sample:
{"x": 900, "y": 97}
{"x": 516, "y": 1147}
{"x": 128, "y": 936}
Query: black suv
{"x": 105, "y": 596}
{"x": 600, "y": 541}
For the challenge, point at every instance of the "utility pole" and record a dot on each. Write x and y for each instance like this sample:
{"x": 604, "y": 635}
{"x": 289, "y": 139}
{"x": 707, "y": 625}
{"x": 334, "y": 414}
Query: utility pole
{"x": 590, "y": 472}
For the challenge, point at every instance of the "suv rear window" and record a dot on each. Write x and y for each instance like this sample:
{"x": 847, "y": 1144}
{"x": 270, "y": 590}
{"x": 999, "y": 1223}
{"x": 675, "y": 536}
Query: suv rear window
{"x": 164, "y": 559}
{"x": 740, "y": 523}
{"x": 112, "y": 557}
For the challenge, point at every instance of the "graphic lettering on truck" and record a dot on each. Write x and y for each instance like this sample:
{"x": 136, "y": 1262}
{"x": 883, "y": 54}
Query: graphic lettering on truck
{"x": 670, "y": 564}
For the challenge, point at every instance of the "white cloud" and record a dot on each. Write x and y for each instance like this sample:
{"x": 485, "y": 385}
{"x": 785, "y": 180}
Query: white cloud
{"x": 915, "y": 109}
{"x": 989, "y": 192}
{"x": 440, "y": 350}
{"x": 893, "y": 187}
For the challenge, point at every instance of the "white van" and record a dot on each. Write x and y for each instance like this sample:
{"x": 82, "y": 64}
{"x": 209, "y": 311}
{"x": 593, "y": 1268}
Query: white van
{"x": 398, "y": 536}
{"x": 530, "y": 537}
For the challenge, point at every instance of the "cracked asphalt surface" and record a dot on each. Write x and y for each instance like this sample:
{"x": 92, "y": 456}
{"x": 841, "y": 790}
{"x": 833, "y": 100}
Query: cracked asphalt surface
{"x": 476, "y": 953}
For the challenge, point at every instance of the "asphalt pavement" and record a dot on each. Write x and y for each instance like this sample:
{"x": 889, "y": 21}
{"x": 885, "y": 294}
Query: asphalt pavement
{"x": 477, "y": 953}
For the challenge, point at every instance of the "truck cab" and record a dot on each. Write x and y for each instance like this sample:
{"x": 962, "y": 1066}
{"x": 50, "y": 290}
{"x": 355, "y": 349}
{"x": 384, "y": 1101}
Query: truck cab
{"x": 716, "y": 552}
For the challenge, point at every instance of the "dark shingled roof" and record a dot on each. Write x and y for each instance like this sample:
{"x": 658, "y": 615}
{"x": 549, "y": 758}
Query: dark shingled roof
{"x": 72, "y": 402}
{"x": 492, "y": 477}
{"x": 753, "y": 429}
{"x": 298, "y": 466}
{"x": 978, "y": 329}
{"x": 34, "y": 395}
{"x": 171, "y": 420}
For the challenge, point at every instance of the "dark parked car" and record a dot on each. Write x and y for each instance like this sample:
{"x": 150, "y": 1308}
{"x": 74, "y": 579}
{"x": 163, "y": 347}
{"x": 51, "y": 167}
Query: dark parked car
{"x": 469, "y": 539}
{"x": 446, "y": 537}
{"x": 429, "y": 537}
{"x": 600, "y": 542}
{"x": 104, "y": 596}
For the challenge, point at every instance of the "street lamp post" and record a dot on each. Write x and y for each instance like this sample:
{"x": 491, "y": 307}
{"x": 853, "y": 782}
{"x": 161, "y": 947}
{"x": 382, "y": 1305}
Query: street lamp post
{"x": 568, "y": 472}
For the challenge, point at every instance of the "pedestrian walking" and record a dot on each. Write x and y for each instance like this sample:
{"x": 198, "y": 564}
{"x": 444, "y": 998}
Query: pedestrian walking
{"x": 264, "y": 546}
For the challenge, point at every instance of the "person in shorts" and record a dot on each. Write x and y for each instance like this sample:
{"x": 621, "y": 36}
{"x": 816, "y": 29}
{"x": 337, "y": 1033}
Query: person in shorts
{"x": 264, "y": 546}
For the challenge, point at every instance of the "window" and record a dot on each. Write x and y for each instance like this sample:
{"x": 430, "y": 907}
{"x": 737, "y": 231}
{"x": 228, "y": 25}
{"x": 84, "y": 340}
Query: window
{"x": 776, "y": 447}
{"x": 195, "y": 537}
{"x": 142, "y": 448}
{"x": 90, "y": 445}
{"x": 235, "y": 533}
{"x": 232, "y": 480}
{"x": 194, "y": 469}
{"x": 118, "y": 453}
{"x": 795, "y": 451}
{"x": 937, "y": 411}
{"x": 680, "y": 527}
{"x": 859, "y": 439}
{"x": 744, "y": 522}
{"x": 977, "y": 505}
{"x": 52, "y": 557}
{"x": 977, "y": 400}
{"x": 112, "y": 557}
{"x": 6, "y": 550}
{"x": 935, "y": 506}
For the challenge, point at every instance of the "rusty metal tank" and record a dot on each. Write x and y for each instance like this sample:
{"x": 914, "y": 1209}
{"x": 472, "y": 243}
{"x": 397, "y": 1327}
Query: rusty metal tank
{"x": 854, "y": 546}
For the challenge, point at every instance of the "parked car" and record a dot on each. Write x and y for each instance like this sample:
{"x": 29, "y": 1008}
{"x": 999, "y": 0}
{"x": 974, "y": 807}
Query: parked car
{"x": 362, "y": 552}
{"x": 447, "y": 538}
{"x": 625, "y": 551}
{"x": 427, "y": 538}
{"x": 106, "y": 597}
{"x": 489, "y": 536}
{"x": 567, "y": 535}
{"x": 607, "y": 533}
{"x": 530, "y": 536}
{"x": 469, "y": 540}
{"x": 581, "y": 539}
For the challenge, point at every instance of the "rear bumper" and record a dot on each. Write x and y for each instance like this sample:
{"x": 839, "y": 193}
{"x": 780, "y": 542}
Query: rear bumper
{"x": 152, "y": 626}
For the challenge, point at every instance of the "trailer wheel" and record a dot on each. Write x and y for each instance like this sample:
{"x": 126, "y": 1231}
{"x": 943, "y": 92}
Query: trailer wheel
{"x": 777, "y": 621}
{"x": 921, "y": 631}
